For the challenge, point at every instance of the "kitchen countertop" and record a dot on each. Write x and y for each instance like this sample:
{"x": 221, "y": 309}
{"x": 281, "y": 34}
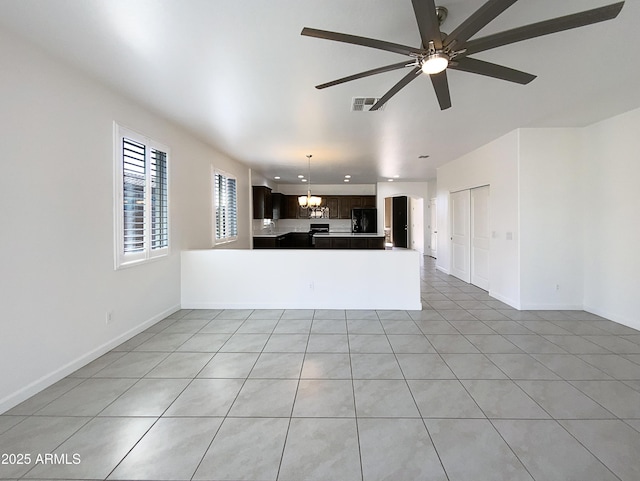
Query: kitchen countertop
{"x": 348, "y": 234}
{"x": 279, "y": 233}
{"x": 322, "y": 234}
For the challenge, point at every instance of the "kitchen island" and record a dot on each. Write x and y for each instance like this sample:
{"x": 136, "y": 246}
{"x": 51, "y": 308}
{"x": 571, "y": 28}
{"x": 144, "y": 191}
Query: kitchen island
{"x": 320, "y": 240}
{"x": 282, "y": 240}
{"x": 348, "y": 240}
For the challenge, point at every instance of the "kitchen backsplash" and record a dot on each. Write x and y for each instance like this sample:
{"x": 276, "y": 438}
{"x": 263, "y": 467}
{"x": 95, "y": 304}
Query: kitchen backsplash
{"x": 303, "y": 225}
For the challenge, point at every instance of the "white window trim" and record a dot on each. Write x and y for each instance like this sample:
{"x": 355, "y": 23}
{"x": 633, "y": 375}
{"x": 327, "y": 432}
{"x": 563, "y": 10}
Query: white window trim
{"x": 226, "y": 240}
{"x": 121, "y": 259}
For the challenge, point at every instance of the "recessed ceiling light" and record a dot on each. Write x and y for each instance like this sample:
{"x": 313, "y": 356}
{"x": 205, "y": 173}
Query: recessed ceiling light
{"x": 301, "y": 176}
{"x": 346, "y": 180}
{"x": 303, "y": 180}
{"x": 277, "y": 177}
{"x": 347, "y": 176}
{"x": 396, "y": 176}
{"x": 390, "y": 180}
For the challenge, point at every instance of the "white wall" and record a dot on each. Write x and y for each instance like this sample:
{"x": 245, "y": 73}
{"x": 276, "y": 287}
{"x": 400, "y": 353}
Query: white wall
{"x": 612, "y": 218}
{"x": 417, "y": 228}
{"x": 56, "y": 248}
{"x": 495, "y": 164}
{"x": 432, "y": 189}
{"x": 258, "y": 179}
{"x": 415, "y": 190}
{"x": 301, "y": 279}
{"x": 551, "y": 217}
{"x": 571, "y": 199}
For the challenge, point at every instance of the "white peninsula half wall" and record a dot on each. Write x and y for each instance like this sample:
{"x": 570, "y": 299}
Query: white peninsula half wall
{"x": 300, "y": 279}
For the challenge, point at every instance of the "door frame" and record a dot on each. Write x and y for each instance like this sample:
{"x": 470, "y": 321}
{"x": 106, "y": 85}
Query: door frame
{"x": 433, "y": 227}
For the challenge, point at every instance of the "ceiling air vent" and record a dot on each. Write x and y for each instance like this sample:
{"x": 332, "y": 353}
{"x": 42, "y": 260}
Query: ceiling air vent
{"x": 364, "y": 104}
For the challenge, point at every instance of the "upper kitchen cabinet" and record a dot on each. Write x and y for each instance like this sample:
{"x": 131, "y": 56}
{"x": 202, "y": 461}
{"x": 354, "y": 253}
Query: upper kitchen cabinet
{"x": 279, "y": 205}
{"x": 262, "y": 203}
{"x": 332, "y": 203}
{"x": 348, "y": 202}
{"x": 368, "y": 201}
{"x": 339, "y": 206}
{"x": 291, "y": 207}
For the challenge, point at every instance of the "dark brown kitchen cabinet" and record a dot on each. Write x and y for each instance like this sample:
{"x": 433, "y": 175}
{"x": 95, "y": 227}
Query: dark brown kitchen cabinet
{"x": 375, "y": 243}
{"x": 262, "y": 205}
{"x": 298, "y": 240}
{"x": 291, "y": 207}
{"x": 278, "y": 204}
{"x": 273, "y": 242}
{"x": 368, "y": 201}
{"x": 340, "y": 243}
{"x": 359, "y": 243}
{"x": 348, "y": 202}
{"x": 339, "y": 206}
{"x": 331, "y": 242}
{"x": 344, "y": 207}
{"x": 322, "y": 242}
{"x": 333, "y": 204}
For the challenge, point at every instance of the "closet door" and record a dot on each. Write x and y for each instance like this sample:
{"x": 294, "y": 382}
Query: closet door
{"x": 460, "y": 235}
{"x": 480, "y": 237}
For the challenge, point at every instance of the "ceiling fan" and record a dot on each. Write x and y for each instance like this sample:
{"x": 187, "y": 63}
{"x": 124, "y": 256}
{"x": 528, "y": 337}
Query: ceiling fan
{"x": 440, "y": 51}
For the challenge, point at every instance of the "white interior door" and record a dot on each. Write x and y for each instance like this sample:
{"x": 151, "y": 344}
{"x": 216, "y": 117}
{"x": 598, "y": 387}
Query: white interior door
{"x": 433, "y": 227}
{"x": 480, "y": 237}
{"x": 460, "y": 235}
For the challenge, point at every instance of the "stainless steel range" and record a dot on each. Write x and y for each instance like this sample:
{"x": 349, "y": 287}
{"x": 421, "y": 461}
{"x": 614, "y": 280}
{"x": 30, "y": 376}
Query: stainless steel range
{"x": 317, "y": 229}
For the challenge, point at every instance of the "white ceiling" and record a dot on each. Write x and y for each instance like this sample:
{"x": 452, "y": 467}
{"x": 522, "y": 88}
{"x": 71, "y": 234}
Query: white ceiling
{"x": 238, "y": 74}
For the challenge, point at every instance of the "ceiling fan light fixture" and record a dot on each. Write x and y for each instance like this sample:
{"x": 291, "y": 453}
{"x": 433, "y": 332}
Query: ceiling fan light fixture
{"x": 435, "y": 63}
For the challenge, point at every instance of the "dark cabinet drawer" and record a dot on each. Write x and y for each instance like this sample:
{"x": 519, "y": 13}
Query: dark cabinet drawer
{"x": 359, "y": 243}
{"x": 340, "y": 243}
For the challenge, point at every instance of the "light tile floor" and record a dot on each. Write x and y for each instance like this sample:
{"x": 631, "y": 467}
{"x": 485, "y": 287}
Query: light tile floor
{"x": 466, "y": 389}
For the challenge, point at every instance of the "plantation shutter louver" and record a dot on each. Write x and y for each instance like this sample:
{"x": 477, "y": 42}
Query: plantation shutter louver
{"x": 159, "y": 207}
{"x": 133, "y": 169}
{"x": 226, "y": 222}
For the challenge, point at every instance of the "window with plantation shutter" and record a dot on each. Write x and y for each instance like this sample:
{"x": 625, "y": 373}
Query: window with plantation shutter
{"x": 225, "y": 208}
{"x": 141, "y": 198}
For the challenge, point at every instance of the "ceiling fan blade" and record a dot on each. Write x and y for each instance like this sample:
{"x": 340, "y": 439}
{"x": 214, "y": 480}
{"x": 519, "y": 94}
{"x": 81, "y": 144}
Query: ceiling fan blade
{"x": 396, "y": 88}
{"x": 368, "y": 73}
{"x": 481, "y": 67}
{"x": 364, "y": 41}
{"x": 441, "y": 86}
{"x": 428, "y": 24}
{"x": 546, "y": 27}
{"x": 476, "y": 22}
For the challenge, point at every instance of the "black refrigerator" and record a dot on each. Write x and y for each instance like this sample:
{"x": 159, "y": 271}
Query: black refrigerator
{"x": 364, "y": 221}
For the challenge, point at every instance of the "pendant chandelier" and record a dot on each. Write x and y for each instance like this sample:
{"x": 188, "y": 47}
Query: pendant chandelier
{"x": 309, "y": 201}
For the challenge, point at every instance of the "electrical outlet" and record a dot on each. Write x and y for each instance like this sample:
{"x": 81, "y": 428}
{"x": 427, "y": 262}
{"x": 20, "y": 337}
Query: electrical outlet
{"x": 557, "y": 287}
{"x": 109, "y": 317}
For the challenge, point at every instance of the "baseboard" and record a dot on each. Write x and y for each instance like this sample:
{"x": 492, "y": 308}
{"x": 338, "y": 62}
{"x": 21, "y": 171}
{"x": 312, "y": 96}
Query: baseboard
{"x": 551, "y": 307}
{"x": 443, "y": 270}
{"x": 510, "y": 302}
{"x": 47, "y": 380}
{"x": 620, "y": 319}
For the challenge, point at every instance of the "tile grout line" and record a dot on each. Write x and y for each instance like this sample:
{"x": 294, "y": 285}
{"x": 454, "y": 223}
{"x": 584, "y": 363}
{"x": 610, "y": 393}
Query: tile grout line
{"x": 406, "y": 381}
{"x": 355, "y": 405}
{"x": 295, "y": 396}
